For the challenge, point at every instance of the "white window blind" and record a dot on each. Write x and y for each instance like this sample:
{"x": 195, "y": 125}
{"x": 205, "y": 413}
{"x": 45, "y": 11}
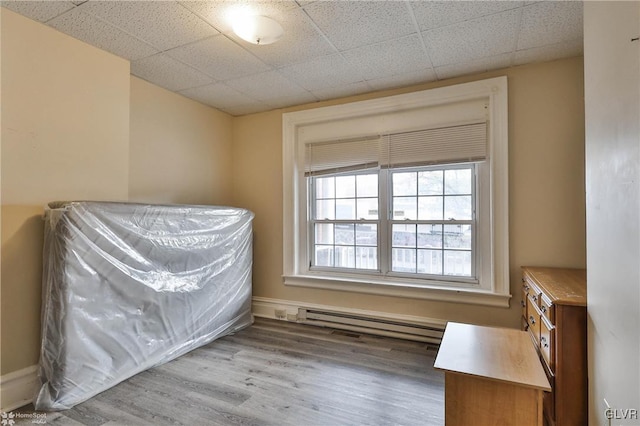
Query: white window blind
{"x": 341, "y": 156}
{"x": 453, "y": 144}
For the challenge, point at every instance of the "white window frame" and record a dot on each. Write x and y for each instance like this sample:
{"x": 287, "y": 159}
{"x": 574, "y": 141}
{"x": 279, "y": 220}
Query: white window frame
{"x": 406, "y": 112}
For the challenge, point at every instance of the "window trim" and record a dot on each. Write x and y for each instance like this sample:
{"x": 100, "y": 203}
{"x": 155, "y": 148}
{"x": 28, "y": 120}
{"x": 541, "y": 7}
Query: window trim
{"x": 298, "y": 125}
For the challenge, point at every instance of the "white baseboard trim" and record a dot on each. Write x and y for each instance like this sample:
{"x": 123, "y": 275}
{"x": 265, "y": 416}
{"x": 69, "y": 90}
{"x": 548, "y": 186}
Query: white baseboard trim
{"x": 17, "y": 388}
{"x": 266, "y": 308}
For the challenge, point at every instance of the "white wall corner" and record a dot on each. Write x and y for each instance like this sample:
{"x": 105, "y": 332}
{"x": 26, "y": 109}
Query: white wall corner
{"x": 17, "y": 388}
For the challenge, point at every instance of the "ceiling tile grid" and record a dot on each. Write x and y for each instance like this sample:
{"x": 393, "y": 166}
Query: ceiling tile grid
{"x": 41, "y": 11}
{"x": 471, "y": 40}
{"x": 163, "y": 24}
{"x": 166, "y": 72}
{"x": 329, "y": 49}
{"x": 95, "y": 31}
{"x": 219, "y": 57}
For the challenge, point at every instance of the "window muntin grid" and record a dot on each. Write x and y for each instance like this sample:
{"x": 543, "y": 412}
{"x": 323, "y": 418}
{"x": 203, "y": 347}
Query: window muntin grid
{"x": 428, "y": 228}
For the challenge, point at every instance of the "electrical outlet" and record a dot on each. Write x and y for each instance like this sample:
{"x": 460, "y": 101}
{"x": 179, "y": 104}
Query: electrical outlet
{"x": 292, "y": 317}
{"x": 281, "y": 313}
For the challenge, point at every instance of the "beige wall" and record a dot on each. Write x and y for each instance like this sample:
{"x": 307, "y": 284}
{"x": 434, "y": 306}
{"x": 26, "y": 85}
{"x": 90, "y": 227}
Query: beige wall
{"x": 76, "y": 125}
{"x": 546, "y": 190}
{"x": 65, "y": 133}
{"x": 180, "y": 150}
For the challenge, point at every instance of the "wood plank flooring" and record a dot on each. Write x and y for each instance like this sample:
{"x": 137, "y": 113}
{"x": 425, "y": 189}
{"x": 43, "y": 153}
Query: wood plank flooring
{"x": 276, "y": 373}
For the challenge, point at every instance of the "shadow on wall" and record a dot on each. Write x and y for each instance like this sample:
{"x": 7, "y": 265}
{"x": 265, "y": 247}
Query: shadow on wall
{"x": 22, "y": 240}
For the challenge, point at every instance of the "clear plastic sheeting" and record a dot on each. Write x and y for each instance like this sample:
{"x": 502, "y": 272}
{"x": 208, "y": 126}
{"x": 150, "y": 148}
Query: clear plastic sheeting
{"x": 130, "y": 286}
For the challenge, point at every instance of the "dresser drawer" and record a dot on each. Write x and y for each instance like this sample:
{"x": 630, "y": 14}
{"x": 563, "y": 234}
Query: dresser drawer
{"x": 547, "y": 342}
{"x": 547, "y": 309}
{"x": 523, "y": 306}
{"x": 533, "y": 320}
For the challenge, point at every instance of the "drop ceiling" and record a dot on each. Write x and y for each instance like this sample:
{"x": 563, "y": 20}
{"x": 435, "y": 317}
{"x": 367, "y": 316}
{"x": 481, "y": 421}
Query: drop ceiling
{"x": 330, "y": 49}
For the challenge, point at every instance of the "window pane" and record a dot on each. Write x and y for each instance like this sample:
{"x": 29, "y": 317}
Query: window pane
{"x": 367, "y": 185}
{"x": 345, "y": 234}
{"x": 346, "y": 208}
{"x": 430, "y": 182}
{"x": 325, "y": 187}
{"x": 430, "y": 262}
{"x": 457, "y": 181}
{"x": 345, "y": 257}
{"x": 457, "y": 263}
{"x": 430, "y": 208}
{"x": 430, "y": 236}
{"x": 457, "y": 236}
{"x": 366, "y": 258}
{"x": 404, "y": 208}
{"x": 324, "y": 233}
{"x": 457, "y": 207}
{"x": 323, "y": 256}
{"x": 405, "y": 184}
{"x": 403, "y": 260}
{"x": 345, "y": 186}
{"x": 404, "y": 235}
{"x": 366, "y": 234}
{"x": 325, "y": 209}
{"x": 367, "y": 208}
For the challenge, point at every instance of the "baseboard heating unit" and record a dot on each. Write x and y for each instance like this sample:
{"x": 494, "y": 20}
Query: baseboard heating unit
{"x": 371, "y": 325}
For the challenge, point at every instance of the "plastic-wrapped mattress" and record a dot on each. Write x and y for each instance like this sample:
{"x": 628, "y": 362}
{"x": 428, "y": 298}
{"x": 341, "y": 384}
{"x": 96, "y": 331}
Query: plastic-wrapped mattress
{"x": 130, "y": 286}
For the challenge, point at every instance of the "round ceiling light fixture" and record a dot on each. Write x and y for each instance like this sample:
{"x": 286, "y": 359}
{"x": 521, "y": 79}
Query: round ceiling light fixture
{"x": 257, "y": 29}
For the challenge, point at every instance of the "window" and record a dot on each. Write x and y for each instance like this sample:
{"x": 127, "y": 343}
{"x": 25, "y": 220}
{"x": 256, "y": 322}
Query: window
{"x": 404, "y": 196}
{"x": 426, "y": 229}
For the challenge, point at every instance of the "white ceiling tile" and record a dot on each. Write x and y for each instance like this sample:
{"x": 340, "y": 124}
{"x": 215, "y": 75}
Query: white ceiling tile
{"x": 167, "y": 72}
{"x": 218, "y": 95}
{"x": 480, "y": 65}
{"x": 266, "y": 86}
{"x": 41, "y": 11}
{"x": 483, "y": 37}
{"x": 218, "y": 13}
{"x": 163, "y": 24}
{"x": 403, "y": 80}
{"x": 342, "y": 91}
{"x": 350, "y": 24}
{"x": 550, "y": 22}
{"x": 549, "y": 52}
{"x": 323, "y": 72}
{"x": 378, "y": 40}
{"x": 219, "y": 57}
{"x": 300, "y": 42}
{"x": 389, "y": 58}
{"x": 436, "y": 14}
{"x": 98, "y": 33}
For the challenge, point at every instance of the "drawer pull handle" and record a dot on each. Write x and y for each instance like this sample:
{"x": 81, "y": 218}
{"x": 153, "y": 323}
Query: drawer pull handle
{"x": 522, "y": 304}
{"x": 531, "y": 320}
{"x": 544, "y": 341}
{"x": 526, "y": 288}
{"x": 535, "y": 298}
{"x": 544, "y": 309}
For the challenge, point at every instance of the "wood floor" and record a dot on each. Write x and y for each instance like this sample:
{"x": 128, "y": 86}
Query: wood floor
{"x": 277, "y": 373}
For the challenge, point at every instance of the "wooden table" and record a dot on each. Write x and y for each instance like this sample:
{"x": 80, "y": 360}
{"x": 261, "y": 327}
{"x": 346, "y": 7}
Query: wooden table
{"x": 493, "y": 376}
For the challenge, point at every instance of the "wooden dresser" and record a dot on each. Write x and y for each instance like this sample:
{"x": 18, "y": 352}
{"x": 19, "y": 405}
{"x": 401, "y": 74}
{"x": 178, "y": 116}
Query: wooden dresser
{"x": 554, "y": 311}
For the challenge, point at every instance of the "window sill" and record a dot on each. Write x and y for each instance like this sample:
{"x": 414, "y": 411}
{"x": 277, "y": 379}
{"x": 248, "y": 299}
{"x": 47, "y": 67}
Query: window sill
{"x": 471, "y": 296}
